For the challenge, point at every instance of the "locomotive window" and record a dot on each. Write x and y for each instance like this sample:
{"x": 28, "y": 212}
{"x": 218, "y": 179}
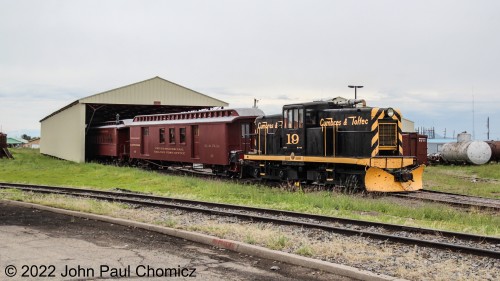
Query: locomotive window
{"x": 301, "y": 118}
{"x": 182, "y": 135}
{"x": 162, "y": 135}
{"x": 196, "y": 131}
{"x": 145, "y": 131}
{"x": 295, "y": 118}
{"x": 290, "y": 118}
{"x": 310, "y": 117}
{"x": 171, "y": 135}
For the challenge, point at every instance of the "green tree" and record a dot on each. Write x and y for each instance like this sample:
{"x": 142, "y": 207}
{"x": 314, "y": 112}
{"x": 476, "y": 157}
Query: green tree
{"x": 26, "y": 137}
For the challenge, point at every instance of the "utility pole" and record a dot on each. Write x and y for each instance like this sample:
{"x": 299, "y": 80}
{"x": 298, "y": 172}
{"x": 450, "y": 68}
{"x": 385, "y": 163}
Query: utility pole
{"x": 355, "y": 90}
{"x": 473, "y": 117}
{"x": 488, "y": 127}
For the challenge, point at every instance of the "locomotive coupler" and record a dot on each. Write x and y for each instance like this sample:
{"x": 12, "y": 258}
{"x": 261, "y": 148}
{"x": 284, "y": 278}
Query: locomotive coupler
{"x": 403, "y": 176}
{"x": 235, "y": 156}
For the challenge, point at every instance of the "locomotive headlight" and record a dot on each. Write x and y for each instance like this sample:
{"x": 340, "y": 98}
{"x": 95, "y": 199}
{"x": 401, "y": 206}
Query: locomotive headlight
{"x": 390, "y": 112}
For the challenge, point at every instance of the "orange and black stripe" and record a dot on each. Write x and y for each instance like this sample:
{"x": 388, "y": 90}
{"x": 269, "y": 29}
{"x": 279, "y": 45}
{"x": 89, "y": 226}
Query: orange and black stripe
{"x": 397, "y": 116}
{"x": 376, "y": 115}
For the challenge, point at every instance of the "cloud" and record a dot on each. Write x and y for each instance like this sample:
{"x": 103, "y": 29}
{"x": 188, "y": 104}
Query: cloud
{"x": 428, "y": 58}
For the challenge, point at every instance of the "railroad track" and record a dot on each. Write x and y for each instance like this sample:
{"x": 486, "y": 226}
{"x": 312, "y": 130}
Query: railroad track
{"x": 452, "y": 199}
{"x": 460, "y": 242}
{"x": 464, "y": 201}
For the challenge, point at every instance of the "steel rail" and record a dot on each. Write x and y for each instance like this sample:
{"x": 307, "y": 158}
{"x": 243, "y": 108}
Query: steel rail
{"x": 493, "y": 204}
{"x": 204, "y": 207}
{"x": 459, "y": 200}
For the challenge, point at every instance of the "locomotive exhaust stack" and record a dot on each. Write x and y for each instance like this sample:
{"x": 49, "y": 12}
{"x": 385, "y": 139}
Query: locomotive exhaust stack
{"x": 352, "y": 102}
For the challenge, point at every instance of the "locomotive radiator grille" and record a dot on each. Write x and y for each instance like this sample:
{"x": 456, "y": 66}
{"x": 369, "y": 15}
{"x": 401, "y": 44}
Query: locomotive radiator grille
{"x": 388, "y": 136}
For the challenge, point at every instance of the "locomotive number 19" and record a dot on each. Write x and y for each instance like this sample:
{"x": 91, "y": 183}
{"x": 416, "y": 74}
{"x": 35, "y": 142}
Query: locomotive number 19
{"x": 292, "y": 138}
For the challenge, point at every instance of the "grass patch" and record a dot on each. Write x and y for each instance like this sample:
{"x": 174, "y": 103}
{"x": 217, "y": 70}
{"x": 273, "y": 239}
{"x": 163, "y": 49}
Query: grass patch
{"x": 305, "y": 250}
{"x": 250, "y": 239}
{"x": 31, "y": 167}
{"x": 278, "y": 242}
{"x": 483, "y": 180}
{"x": 65, "y": 202}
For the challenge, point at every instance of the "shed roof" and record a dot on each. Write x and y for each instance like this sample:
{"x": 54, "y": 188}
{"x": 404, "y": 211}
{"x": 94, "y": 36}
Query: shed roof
{"x": 441, "y": 140}
{"x": 12, "y": 140}
{"x": 155, "y": 91}
{"x": 164, "y": 92}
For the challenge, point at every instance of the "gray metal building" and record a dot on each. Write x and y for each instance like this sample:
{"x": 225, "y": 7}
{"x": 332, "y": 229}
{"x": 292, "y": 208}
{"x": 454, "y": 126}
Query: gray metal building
{"x": 408, "y": 126}
{"x": 435, "y": 145}
{"x": 63, "y": 133}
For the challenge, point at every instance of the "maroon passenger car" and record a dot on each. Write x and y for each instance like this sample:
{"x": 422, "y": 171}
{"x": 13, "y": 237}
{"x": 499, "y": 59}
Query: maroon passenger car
{"x": 209, "y": 137}
{"x": 109, "y": 140}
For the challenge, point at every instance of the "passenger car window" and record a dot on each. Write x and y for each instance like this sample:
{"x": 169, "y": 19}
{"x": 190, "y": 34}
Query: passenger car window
{"x": 162, "y": 135}
{"x": 182, "y": 135}
{"x": 171, "y": 135}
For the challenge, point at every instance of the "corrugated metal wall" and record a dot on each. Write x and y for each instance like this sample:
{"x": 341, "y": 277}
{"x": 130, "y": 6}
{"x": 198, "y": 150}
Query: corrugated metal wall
{"x": 63, "y": 135}
{"x": 408, "y": 126}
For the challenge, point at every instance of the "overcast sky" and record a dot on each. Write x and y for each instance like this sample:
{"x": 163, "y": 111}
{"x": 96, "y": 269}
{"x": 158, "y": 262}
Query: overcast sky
{"x": 431, "y": 59}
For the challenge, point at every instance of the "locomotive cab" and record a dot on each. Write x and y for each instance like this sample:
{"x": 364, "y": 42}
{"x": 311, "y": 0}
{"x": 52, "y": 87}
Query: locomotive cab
{"x": 293, "y": 140}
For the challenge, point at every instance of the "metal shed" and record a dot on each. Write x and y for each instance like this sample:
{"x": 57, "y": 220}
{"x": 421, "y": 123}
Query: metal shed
{"x": 15, "y": 142}
{"x": 408, "y": 125}
{"x": 63, "y": 133}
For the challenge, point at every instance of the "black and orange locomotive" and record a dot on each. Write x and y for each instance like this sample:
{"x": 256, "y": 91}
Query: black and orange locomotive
{"x": 338, "y": 142}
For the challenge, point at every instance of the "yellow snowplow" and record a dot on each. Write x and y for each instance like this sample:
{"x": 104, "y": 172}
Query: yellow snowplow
{"x": 379, "y": 180}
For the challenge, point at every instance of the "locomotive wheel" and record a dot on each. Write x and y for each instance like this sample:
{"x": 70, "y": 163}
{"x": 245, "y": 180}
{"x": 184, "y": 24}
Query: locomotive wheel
{"x": 320, "y": 178}
{"x": 353, "y": 184}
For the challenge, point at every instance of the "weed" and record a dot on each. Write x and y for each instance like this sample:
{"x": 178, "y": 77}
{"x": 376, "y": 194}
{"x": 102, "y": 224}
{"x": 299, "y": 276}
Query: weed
{"x": 170, "y": 222}
{"x": 278, "y": 242}
{"x": 250, "y": 239}
{"x": 305, "y": 250}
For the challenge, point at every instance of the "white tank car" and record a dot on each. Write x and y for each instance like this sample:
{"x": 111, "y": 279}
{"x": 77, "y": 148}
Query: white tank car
{"x": 472, "y": 152}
